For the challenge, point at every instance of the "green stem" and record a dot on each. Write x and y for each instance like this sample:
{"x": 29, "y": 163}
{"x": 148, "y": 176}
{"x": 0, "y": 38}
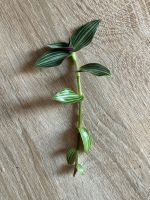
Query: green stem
{"x": 80, "y": 111}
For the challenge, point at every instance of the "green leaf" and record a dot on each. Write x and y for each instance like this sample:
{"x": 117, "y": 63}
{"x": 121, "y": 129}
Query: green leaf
{"x": 96, "y": 69}
{"x": 58, "y": 45}
{"x": 51, "y": 59}
{"x": 71, "y": 155}
{"x": 61, "y": 46}
{"x": 84, "y": 35}
{"x": 86, "y": 139}
{"x": 80, "y": 169}
{"x": 67, "y": 96}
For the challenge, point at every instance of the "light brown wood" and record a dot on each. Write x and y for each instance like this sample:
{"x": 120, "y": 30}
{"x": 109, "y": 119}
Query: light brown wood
{"x": 35, "y": 132}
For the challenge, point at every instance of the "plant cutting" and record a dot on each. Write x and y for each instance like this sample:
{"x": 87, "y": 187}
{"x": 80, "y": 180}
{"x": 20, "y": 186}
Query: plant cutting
{"x": 53, "y": 57}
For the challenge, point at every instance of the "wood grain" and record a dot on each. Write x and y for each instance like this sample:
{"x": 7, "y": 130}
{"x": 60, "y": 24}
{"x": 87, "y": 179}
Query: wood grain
{"x": 35, "y": 132}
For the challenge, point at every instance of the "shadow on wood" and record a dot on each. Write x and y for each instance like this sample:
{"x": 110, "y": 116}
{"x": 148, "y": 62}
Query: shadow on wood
{"x": 68, "y": 138}
{"x": 36, "y": 103}
{"x": 32, "y": 57}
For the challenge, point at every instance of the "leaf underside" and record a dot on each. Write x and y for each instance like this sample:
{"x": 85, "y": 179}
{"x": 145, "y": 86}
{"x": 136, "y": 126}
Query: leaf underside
{"x": 67, "y": 96}
{"x": 71, "y": 156}
{"x": 95, "y": 69}
{"x": 51, "y": 59}
{"x": 84, "y": 35}
{"x": 86, "y": 139}
{"x": 80, "y": 169}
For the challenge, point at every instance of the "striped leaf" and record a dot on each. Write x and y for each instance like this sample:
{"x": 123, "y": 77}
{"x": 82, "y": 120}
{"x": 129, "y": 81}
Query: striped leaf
{"x": 80, "y": 169}
{"x": 58, "y": 45}
{"x": 67, "y": 96}
{"x": 71, "y": 156}
{"x": 61, "y": 46}
{"x": 51, "y": 59}
{"x": 84, "y": 35}
{"x": 86, "y": 139}
{"x": 96, "y": 69}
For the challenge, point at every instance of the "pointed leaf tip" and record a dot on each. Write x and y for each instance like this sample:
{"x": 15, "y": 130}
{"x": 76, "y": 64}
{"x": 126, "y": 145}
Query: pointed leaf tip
{"x": 84, "y": 35}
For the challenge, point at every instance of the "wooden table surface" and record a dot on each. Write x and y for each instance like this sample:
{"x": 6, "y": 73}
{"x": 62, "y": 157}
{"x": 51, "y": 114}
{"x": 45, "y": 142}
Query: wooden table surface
{"x": 35, "y": 132}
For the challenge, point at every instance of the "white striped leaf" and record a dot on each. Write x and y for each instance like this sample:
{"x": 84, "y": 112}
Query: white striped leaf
{"x": 61, "y": 46}
{"x": 71, "y": 156}
{"x": 67, "y": 96}
{"x": 58, "y": 45}
{"x": 51, "y": 59}
{"x": 84, "y": 35}
{"x": 80, "y": 169}
{"x": 96, "y": 69}
{"x": 86, "y": 139}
